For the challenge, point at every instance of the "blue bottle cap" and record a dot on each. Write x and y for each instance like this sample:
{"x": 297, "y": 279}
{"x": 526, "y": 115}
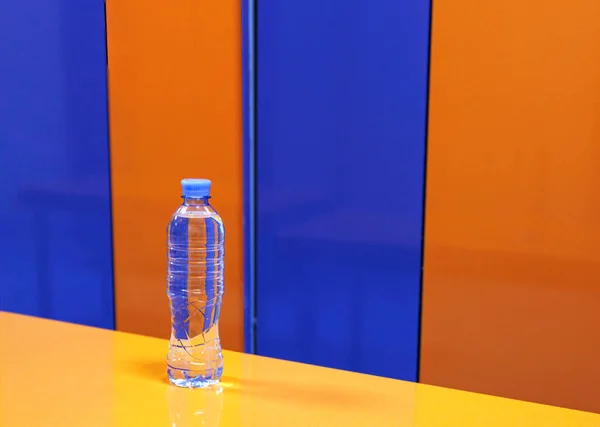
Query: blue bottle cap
{"x": 193, "y": 187}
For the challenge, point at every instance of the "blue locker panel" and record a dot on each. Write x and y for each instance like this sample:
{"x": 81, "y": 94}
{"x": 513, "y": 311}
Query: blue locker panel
{"x": 56, "y": 252}
{"x": 341, "y": 121}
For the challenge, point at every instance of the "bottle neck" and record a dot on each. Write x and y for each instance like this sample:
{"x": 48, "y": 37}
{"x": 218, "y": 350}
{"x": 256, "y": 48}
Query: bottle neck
{"x": 195, "y": 201}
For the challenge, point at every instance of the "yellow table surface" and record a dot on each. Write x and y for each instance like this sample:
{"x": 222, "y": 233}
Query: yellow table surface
{"x": 58, "y": 374}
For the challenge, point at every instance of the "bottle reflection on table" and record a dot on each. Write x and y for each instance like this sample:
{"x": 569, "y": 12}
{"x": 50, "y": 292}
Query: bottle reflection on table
{"x": 195, "y": 407}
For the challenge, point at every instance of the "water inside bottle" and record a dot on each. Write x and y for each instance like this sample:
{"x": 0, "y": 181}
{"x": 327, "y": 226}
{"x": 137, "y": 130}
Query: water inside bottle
{"x": 195, "y": 290}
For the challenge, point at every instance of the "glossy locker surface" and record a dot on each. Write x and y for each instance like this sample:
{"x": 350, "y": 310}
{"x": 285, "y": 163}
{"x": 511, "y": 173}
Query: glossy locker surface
{"x": 55, "y": 225}
{"x": 175, "y": 111}
{"x": 118, "y": 379}
{"x": 341, "y": 108}
{"x": 512, "y": 261}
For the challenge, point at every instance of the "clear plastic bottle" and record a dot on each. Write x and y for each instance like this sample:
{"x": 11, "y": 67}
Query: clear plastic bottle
{"x": 195, "y": 243}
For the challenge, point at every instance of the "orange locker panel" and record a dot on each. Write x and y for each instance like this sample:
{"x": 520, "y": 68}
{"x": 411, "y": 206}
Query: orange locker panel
{"x": 175, "y": 112}
{"x": 511, "y": 294}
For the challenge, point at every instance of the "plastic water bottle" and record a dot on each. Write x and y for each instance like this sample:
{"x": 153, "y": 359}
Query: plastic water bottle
{"x": 195, "y": 238}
